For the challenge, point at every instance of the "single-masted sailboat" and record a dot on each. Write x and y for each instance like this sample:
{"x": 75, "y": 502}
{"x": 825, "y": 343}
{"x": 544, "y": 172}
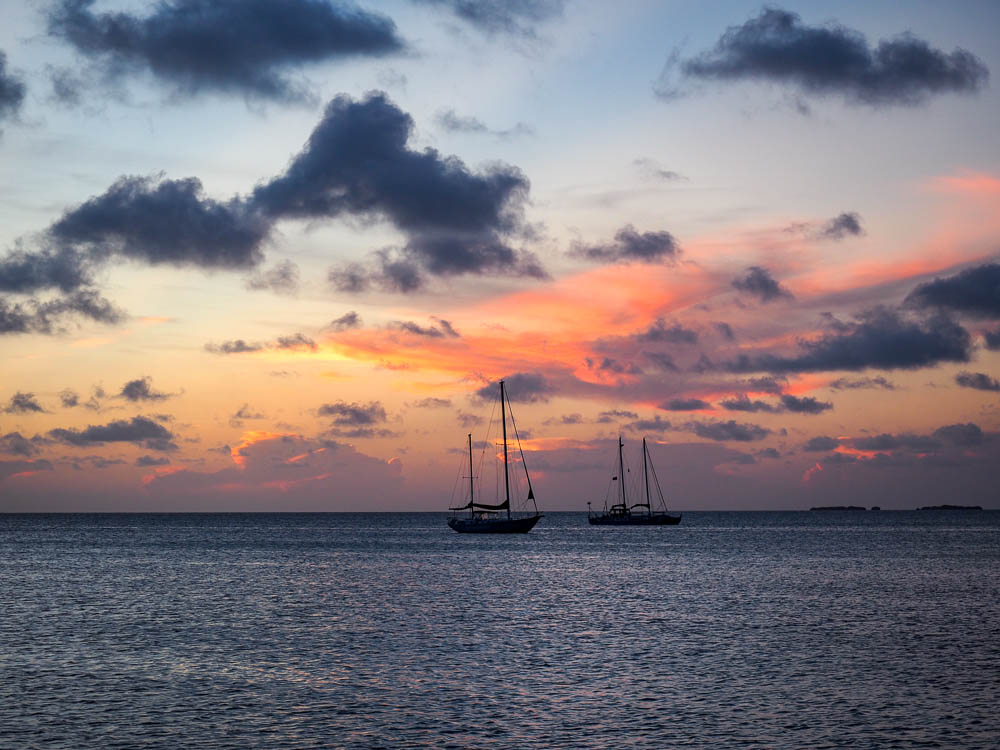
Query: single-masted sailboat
{"x": 484, "y": 518}
{"x": 621, "y": 513}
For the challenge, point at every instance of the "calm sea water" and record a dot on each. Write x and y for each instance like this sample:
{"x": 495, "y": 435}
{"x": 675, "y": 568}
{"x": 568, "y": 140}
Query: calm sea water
{"x": 733, "y": 630}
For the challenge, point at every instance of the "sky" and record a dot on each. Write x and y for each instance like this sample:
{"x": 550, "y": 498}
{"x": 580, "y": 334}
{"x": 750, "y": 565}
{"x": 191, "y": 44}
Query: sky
{"x": 275, "y": 255}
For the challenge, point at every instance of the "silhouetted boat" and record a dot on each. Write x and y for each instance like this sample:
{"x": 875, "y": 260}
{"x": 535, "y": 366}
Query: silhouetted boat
{"x": 491, "y": 519}
{"x": 623, "y": 514}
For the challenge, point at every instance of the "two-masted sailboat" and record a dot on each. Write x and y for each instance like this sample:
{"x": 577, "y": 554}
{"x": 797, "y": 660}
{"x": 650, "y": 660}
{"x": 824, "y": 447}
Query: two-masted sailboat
{"x": 483, "y": 518}
{"x": 620, "y": 513}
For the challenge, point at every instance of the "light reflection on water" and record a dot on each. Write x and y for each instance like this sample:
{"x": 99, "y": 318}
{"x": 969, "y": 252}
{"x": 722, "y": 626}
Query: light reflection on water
{"x": 783, "y": 630}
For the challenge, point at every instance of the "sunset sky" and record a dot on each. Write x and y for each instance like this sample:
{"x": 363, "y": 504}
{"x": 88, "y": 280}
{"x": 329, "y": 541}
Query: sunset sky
{"x": 275, "y": 254}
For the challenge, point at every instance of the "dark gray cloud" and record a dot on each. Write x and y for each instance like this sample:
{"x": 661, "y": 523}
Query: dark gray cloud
{"x": 839, "y": 227}
{"x": 158, "y": 221}
{"x": 152, "y": 461}
{"x": 294, "y": 342}
{"x": 841, "y": 384}
{"x": 432, "y": 403}
{"x": 442, "y": 330}
{"x": 609, "y": 364}
{"x": 235, "y": 346}
{"x": 354, "y": 414}
{"x": 768, "y": 453}
{"x": 245, "y": 47}
{"x": 141, "y": 389}
{"x": 23, "y": 403}
{"x": 675, "y": 333}
{"x": 880, "y": 338}
{"x": 768, "y": 384}
{"x": 992, "y": 339}
{"x": 346, "y": 321}
{"x": 10, "y": 468}
{"x": 451, "y": 121}
{"x": 36, "y": 316}
{"x": 656, "y": 424}
{"x": 744, "y": 403}
{"x": 524, "y": 387}
{"x": 685, "y": 404}
{"x": 245, "y": 412}
{"x": 139, "y": 430}
{"x": 978, "y": 380}
{"x": 821, "y": 443}
{"x": 742, "y": 432}
{"x": 468, "y": 420}
{"x": 12, "y": 91}
{"x": 887, "y": 442}
{"x": 62, "y": 268}
{"x": 616, "y": 415}
{"x": 356, "y": 162}
{"x": 15, "y": 444}
{"x": 961, "y": 435}
{"x": 661, "y": 361}
{"x": 282, "y": 279}
{"x": 725, "y": 330}
{"x": 758, "y": 282}
{"x": 514, "y": 17}
{"x": 834, "y": 60}
{"x": 629, "y": 245}
{"x": 804, "y": 404}
{"x": 974, "y": 292}
{"x": 69, "y": 398}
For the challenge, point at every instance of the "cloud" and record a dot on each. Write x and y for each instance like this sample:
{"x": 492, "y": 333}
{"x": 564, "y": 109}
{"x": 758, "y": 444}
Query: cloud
{"x": 728, "y": 431}
{"x": 159, "y": 221}
{"x": 887, "y": 442}
{"x": 523, "y": 387}
{"x": 974, "y": 292}
{"x": 16, "y": 444}
{"x": 451, "y": 121}
{"x": 69, "y": 398}
{"x": 659, "y": 331}
{"x": 141, "y": 389}
{"x": 978, "y": 380}
{"x": 992, "y": 339}
{"x": 833, "y": 60}
{"x": 244, "y": 47}
{"x": 841, "y": 384}
{"x": 768, "y": 384}
{"x": 744, "y": 403}
{"x": 758, "y": 282}
{"x": 821, "y": 443}
{"x": 346, "y": 321}
{"x": 292, "y": 342}
{"x": 12, "y": 91}
{"x": 442, "y": 330}
{"x": 152, "y": 461}
{"x": 23, "y": 403}
{"x": 615, "y": 415}
{"x": 356, "y": 162}
{"x": 725, "y": 330}
{"x": 879, "y": 338}
{"x": 354, "y": 414}
{"x": 629, "y": 245}
{"x": 244, "y": 412}
{"x": 804, "y": 404}
{"x": 685, "y": 404}
{"x": 656, "y": 424}
{"x": 513, "y": 17}
{"x": 139, "y": 430}
{"x": 432, "y": 403}
{"x": 282, "y": 279}
{"x": 607, "y": 364}
{"x": 661, "y": 361}
{"x": 652, "y": 169}
{"x": 842, "y": 226}
{"x": 961, "y": 435}
{"x": 10, "y": 469}
{"x": 37, "y": 316}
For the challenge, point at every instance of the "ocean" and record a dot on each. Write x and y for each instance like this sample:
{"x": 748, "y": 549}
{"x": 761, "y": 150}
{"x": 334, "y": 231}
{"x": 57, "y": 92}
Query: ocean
{"x": 732, "y": 630}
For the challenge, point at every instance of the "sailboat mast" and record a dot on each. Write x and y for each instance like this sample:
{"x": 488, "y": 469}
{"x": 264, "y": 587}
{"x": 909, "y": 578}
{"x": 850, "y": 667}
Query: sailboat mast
{"x": 506, "y": 474}
{"x": 472, "y": 497}
{"x": 645, "y": 477}
{"x": 621, "y": 471}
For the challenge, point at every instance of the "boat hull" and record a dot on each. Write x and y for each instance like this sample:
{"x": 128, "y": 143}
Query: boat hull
{"x": 493, "y": 525}
{"x": 657, "y": 519}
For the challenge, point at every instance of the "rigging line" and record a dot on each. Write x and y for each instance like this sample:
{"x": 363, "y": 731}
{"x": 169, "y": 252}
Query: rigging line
{"x": 531, "y": 492}
{"x": 663, "y": 503}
